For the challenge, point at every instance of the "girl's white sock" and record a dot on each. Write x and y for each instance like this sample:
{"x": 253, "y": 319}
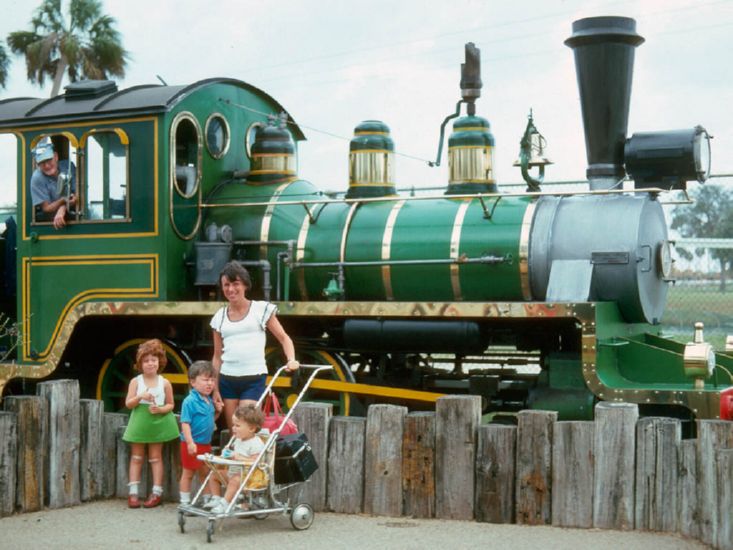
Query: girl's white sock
{"x": 157, "y": 490}
{"x": 185, "y": 498}
{"x": 133, "y": 485}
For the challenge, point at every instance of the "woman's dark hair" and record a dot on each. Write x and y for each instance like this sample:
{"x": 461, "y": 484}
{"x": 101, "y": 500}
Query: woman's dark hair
{"x": 234, "y": 271}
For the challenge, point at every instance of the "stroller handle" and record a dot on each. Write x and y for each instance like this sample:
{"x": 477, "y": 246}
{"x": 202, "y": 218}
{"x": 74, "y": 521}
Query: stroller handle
{"x": 316, "y": 370}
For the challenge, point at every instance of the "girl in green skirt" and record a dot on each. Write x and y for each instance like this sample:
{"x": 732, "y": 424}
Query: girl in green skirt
{"x": 150, "y": 396}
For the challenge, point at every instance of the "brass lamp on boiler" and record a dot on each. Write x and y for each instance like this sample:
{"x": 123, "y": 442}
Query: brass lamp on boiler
{"x": 532, "y": 148}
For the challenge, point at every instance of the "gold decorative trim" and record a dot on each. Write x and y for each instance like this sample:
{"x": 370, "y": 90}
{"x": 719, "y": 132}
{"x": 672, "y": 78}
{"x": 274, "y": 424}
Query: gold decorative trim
{"x": 524, "y": 235}
{"x": 471, "y": 129}
{"x": 89, "y": 294}
{"x": 345, "y": 232}
{"x": 455, "y": 244}
{"x": 387, "y": 248}
{"x": 173, "y": 181}
{"x": 267, "y": 217}
{"x": 300, "y": 256}
{"x": 62, "y": 235}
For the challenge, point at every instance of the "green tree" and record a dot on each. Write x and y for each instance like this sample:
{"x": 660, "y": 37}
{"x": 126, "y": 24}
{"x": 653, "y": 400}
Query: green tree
{"x": 83, "y": 45}
{"x": 710, "y": 216}
{"x": 4, "y": 66}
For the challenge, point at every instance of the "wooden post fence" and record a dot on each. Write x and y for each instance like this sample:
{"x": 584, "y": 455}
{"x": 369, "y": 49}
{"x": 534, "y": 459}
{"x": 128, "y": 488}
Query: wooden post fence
{"x": 32, "y": 414}
{"x": 613, "y": 476}
{"x": 8, "y": 461}
{"x": 618, "y": 472}
{"x": 64, "y": 441}
{"x": 572, "y": 474}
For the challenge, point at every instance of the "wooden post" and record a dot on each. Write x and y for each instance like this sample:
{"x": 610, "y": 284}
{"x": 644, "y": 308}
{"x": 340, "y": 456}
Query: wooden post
{"x": 687, "y": 506}
{"x": 91, "y": 459}
{"x": 657, "y": 440}
{"x": 313, "y": 420}
{"x": 724, "y": 534}
{"x": 613, "y": 475}
{"x": 8, "y": 461}
{"x": 172, "y": 470}
{"x": 418, "y": 465}
{"x": 712, "y": 436}
{"x": 383, "y": 460}
{"x": 495, "y": 473}
{"x": 572, "y": 474}
{"x": 112, "y": 423}
{"x": 32, "y": 430}
{"x": 64, "y": 441}
{"x": 457, "y": 418}
{"x": 123, "y": 465}
{"x": 346, "y": 464}
{"x": 534, "y": 467}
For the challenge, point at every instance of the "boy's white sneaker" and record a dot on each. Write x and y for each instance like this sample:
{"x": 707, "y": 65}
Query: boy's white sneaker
{"x": 220, "y": 507}
{"x": 213, "y": 501}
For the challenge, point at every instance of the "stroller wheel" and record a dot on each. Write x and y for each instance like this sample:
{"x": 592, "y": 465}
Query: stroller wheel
{"x": 210, "y": 530}
{"x": 302, "y": 517}
{"x": 181, "y": 522}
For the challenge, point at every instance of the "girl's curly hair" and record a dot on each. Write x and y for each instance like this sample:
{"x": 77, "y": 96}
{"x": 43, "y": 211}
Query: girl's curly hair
{"x": 151, "y": 347}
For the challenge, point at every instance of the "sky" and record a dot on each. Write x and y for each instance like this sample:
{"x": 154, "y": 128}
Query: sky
{"x": 335, "y": 63}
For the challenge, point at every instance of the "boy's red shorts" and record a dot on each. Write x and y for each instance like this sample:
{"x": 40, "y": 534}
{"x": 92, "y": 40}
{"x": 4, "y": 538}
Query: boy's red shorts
{"x": 190, "y": 462}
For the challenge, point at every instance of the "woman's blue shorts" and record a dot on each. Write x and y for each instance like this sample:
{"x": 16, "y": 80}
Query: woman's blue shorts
{"x": 242, "y": 387}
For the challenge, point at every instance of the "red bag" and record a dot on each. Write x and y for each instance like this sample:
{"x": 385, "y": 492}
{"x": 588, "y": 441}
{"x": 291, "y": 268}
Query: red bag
{"x": 274, "y": 417}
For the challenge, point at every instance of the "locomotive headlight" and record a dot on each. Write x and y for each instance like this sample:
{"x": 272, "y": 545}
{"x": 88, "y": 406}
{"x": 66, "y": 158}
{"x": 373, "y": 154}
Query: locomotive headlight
{"x": 664, "y": 257}
{"x": 702, "y": 154}
{"x": 668, "y": 159}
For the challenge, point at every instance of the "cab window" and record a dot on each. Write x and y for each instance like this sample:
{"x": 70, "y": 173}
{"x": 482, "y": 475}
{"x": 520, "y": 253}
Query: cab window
{"x": 186, "y": 145}
{"x": 106, "y": 177}
{"x": 64, "y": 182}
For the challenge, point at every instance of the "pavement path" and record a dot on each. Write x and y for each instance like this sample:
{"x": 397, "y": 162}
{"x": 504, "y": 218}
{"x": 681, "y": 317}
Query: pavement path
{"x": 110, "y": 525}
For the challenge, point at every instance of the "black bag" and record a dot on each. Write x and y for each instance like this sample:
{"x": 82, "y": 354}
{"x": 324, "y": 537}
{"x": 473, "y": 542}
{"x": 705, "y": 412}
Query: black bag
{"x": 294, "y": 459}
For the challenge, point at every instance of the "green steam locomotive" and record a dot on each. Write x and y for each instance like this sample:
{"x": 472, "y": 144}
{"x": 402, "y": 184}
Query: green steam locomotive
{"x": 530, "y": 299}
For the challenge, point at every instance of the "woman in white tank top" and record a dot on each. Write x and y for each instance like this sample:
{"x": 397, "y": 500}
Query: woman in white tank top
{"x": 239, "y": 332}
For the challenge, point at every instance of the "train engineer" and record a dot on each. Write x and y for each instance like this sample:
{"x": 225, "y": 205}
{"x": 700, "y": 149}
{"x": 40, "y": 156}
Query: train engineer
{"x": 45, "y": 192}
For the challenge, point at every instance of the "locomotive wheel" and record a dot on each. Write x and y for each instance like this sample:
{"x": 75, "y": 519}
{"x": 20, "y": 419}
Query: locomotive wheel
{"x": 343, "y": 404}
{"x": 118, "y": 370}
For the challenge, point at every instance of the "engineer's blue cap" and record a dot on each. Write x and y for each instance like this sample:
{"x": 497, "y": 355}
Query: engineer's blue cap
{"x": 43, "y": 151}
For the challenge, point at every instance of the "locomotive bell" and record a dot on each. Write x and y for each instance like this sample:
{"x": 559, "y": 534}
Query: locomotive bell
{"x": 371, "y": 161}
{"x": 273, "y": 156}
{"x": 471, "y": 157}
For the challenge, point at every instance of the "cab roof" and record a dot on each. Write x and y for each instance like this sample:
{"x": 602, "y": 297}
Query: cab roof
{"x": 95, "y": 99}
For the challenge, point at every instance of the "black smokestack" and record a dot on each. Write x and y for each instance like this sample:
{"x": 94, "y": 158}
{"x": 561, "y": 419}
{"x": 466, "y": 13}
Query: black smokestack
{"x": 604, "y": 63}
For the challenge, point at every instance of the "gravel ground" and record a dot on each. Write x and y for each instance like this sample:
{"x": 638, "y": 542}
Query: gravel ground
{"x": 109, "y": 525}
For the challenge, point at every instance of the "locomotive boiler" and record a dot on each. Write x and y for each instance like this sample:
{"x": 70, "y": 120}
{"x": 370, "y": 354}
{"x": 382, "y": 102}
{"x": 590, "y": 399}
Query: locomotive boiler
{"x": 530, "y": 299}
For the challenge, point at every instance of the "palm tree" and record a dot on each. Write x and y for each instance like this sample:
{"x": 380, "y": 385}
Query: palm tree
{"x": 88, "y": 46}
{"x": 4, "y": 65}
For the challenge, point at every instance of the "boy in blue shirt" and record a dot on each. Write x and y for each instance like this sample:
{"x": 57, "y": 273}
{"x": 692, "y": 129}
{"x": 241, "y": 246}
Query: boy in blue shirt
{"x": 198, "y": 415}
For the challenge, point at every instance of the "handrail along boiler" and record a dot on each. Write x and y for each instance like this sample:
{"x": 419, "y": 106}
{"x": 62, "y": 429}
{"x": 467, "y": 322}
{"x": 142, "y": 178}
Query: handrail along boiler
{"x": 530, "y": 299}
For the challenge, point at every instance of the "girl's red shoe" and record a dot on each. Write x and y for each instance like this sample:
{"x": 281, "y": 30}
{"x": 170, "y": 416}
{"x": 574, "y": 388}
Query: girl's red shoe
{"x": 153, "y": 501}
{"x": 133, "y": 501}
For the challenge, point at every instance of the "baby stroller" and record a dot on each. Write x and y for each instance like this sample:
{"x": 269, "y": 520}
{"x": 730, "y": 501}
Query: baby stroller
{"x": 258, "y": 487}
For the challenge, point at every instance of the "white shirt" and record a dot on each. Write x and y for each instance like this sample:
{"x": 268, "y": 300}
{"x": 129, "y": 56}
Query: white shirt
{"x": 157, "y": 391}
{"x": 249, "y": 448}
{"x": 243, "y": 341}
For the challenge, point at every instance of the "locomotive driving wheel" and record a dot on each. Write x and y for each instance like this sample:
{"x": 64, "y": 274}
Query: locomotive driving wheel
{"x": 344, "y": 403}
{"x": 117, "y": 371}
